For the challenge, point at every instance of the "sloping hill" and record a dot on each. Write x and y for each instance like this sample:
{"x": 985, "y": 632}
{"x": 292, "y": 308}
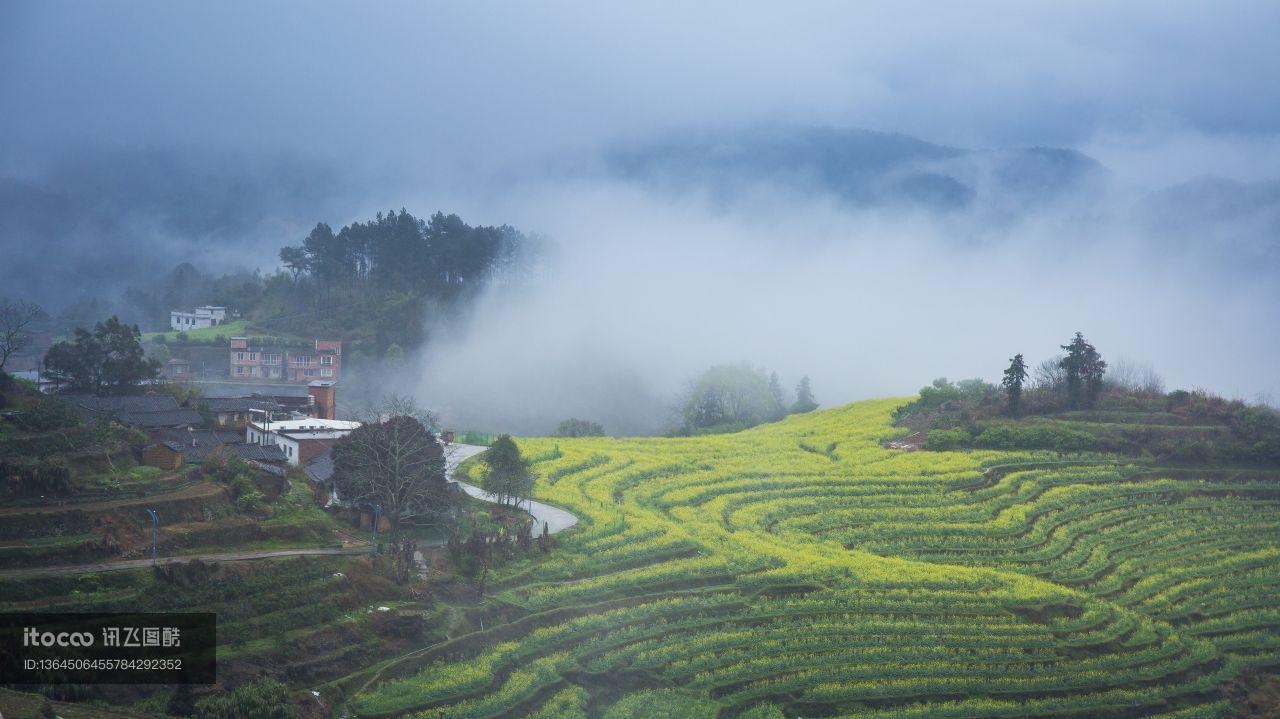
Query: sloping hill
{"x": 803, "y": 568}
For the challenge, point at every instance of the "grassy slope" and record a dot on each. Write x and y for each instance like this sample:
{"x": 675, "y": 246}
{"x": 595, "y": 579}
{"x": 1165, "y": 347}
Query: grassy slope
{"x": 238, "y": 328}
{"x": 747, "y": 574}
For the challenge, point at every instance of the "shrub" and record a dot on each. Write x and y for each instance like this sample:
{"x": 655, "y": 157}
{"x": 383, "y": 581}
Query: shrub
{"x": 945, "y": 440}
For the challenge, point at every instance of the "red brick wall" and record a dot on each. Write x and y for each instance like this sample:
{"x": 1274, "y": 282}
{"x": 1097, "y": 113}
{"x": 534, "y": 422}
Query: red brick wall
{"x": 309, "y": 449}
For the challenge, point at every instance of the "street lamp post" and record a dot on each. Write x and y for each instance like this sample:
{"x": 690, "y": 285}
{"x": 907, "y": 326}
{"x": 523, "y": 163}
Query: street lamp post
{"x": 155, "y": 520}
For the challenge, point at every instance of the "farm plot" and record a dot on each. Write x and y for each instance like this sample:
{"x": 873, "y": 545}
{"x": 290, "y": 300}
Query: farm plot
{"x": 802, "y": 569}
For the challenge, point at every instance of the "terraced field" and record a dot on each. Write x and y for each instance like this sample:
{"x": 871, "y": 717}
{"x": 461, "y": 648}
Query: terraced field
{"x": 800, "y": 569}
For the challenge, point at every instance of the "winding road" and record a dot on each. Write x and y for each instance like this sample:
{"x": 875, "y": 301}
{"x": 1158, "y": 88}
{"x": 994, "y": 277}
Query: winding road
{"x": 556, "y": 520}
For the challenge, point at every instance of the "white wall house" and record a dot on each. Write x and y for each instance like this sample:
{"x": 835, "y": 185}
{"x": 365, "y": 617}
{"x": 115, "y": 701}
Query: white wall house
{"x": 299, "y": 439}
{"x": 200, "y": 317}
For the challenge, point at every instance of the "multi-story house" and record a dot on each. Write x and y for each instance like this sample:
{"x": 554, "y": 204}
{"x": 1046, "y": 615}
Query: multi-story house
{"x": 262, "y": 362}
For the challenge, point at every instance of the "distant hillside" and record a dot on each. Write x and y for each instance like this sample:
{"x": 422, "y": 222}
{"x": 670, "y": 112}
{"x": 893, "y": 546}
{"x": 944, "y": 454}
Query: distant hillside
{"x": 859, "y": 167}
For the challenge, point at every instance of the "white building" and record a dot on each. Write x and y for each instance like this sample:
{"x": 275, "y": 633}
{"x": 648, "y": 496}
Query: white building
{"x": 199, "y": 318}
{"x": 300, "y": 439}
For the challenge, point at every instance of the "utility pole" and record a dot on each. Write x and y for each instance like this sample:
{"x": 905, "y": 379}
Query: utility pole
{"x": 155, "y": 521}
{"x": 377, "y": 516}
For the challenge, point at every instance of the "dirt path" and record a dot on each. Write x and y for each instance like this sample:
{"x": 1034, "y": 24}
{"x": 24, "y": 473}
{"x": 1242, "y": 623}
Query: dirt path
{"x": 195, "y": 491}
{"x": 140, "y": 563}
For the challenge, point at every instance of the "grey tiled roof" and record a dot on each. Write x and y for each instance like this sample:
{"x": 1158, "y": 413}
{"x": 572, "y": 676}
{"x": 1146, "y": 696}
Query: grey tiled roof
{"x": 320, "y": 468}
{"x": 258, "y": 452}
{"x": 239, "y": 404}
{"x": 150, "y": 410}
{"x": 167, "y": 418}
{"x": 126, "y": 403}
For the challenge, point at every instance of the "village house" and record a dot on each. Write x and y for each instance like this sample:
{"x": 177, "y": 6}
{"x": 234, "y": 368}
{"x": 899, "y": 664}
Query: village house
{"x": 301, "y": 440}
{"x": 199, "y": 318}
{"x": 234, "y": 412}
{"x": 177, "y": 370}
{"x": 323, "y": 362}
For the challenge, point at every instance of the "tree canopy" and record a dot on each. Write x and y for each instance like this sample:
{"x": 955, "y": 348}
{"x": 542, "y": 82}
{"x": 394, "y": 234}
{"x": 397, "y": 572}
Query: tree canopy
{"x": 108, "y": 360}
{"x": 1014, "y": 377}
{"x": 16, "y": 318}
{"x": 729, "y": 395}
{"x": 397, "y": 464}
{"x": 1083, "y": 368}
{"x": 804, "y": 398}
{"x": 574, "y": 427}
{"x": 509, "y": 478}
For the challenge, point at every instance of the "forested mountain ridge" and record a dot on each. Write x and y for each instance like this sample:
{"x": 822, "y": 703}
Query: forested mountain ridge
{"x": 376, "y": 285}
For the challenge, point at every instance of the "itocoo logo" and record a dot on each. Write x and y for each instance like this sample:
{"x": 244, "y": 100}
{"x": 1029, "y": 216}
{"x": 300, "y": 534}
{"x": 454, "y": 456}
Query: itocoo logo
{"x": 32, "y": 637}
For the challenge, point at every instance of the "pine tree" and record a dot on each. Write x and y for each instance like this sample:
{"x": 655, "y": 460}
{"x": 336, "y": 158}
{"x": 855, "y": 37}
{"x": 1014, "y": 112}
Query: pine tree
{"x": 779, "y": 402}
{"x": 1084, "y": 369}
{"x": 1014, "y": 377}
{"x": 804, "y": 398}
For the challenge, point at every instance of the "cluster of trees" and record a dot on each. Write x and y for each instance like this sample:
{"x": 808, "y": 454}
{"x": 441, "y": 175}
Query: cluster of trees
{"x": 574, "y": 427}
{"x": 1077, "y": 375}
{"x": 107, "y": 360}
{"x": 736, "y": 396}
{"x": 398, "y": 251}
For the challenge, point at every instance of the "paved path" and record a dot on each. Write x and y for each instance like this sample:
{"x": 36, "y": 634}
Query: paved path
{"x": 556, "y": 519}
{"x": 140, "y": 563}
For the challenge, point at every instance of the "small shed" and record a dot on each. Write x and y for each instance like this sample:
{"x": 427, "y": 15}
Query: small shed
{"x": 165, "y": 455}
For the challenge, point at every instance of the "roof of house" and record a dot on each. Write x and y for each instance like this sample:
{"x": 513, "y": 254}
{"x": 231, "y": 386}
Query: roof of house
{"x": 268, "y": 468}
{"x": 240, "y": 404}
{"x": 320, "y": 468}
{"x": 143, "y": 410}
{"x": 166, "y": 418}
{"x": 311, "y": 424}
{"x": 168, "y": 444}
{"x": 197, "y": 445}
{"x": 256, "y": 452}
{"x": 123, "y": 403}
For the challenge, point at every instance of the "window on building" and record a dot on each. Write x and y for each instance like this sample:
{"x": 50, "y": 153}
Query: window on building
{"x": 239, "y": 369}
{"x": 239, "y": 356}
{"x": 326, "y": 373}
{"x": 327, "y": 359}
{"x": 253, "y": 356}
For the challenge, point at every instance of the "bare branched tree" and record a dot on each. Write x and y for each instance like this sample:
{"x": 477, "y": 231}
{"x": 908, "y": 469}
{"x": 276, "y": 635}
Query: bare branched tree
{"x": 394, "y": 461}
{"x": 16, "y": 316}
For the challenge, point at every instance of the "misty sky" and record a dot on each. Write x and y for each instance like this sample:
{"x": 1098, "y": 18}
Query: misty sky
{"x": 479, "y": 108}
{"x": 451, "y": 85}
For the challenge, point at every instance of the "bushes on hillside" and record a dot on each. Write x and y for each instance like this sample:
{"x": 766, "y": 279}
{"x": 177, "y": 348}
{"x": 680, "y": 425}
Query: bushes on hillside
{"x": 946, "y": 440}
{"x": 263, "y": 699}
{"x": 1009, "y": 436}
{"x": 1012, "y": 437}
{"x": 574, "y": 427}
{"x": 46, "y": 476}
{"x": 48, "y": 414}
